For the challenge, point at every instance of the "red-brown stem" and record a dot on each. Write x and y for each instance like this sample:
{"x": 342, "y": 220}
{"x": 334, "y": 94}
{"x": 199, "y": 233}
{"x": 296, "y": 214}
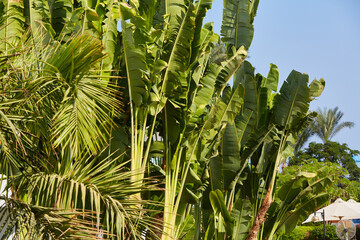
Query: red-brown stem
{"x": 260, "y": 218}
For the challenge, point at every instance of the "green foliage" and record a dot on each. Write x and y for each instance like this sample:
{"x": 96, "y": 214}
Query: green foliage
{"x": 332, "y": 152}
{"x": 317, "y": 87}
{"x": 293, "y": 91}
{"x": 237, "y": 29}
{"x": 60, "y": 19}
{"x": 342, "y": 187}
{"x": 241, "y": 212}
{"x": 215, "y": 149}
{"x": 326, "y": 124}
{"x": 295, "y": 199}
{"x": 175, "y": 94}
{"x": 12, "y": 24}
{"x": 58, "y": 111}
{"x": 218, "y": 54}
{"x": 299, "y": 233}
{"x": 317, "y": 232}
{"x": 312, "y": 233}
{"x": 44, "y": 222}
{"x": 251, "y": 151}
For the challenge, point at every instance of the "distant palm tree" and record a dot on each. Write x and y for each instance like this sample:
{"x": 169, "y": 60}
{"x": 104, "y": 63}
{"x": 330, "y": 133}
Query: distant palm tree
{"x": 326, "y": 125}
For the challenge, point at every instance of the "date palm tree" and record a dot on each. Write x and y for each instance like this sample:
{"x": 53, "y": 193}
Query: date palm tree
{"x": 325, "y": 125}
{"x": 328, "y": 123}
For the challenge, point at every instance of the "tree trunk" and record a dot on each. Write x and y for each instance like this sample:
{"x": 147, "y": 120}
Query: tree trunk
{"x": 260, "y": 218}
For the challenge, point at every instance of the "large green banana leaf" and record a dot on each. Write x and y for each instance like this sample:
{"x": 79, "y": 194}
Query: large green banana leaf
{"x": 292, "y": 103}
{"x": 200, "y": 11}
{"x": 237, "y": 29}
{"x": 135, "y": 60}
{"x": 294, "y": 201}
{"x": 178, "y": 62}
{"x": 241, "y": 212}
{"x": 175, "y": 9}
{"x": 245, "y": 76}
{"x": 60, "y": 12}
{"x": 12, "y": 24}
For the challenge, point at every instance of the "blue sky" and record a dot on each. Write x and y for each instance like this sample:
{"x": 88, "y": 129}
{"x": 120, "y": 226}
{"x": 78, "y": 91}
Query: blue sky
{"x": 319, "y": 37}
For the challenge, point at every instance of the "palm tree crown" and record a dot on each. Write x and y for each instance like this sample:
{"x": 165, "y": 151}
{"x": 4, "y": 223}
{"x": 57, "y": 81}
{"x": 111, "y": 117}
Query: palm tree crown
{"x": 326, "y": 125}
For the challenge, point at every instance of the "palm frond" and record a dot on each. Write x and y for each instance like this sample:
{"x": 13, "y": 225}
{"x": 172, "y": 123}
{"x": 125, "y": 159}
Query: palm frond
{"x": 57, "y": 109}
{"x": 340, "y": 127}
{"x": 328, "y": 123}
{"x": 30, "y": 221}
{"x": 100, "y": 189}
{"x": 325, "y": 125}
{"x": 302, "y": 138}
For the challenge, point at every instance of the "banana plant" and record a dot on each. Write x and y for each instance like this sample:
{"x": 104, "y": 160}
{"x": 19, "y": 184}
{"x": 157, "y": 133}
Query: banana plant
{"x": 216, "y": 148}
{"x": 252, "y": 149}
{"x": 177, "y": 95}
{"x": 172, "y": 87}
{"x": 60, "y": 19}
{"x": 294, "y": 201}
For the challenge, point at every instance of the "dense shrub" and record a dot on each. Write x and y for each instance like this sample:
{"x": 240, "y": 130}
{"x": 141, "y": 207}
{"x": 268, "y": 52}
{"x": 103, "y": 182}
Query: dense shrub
{"x": 357, "y": 231}
{"x": 299, "y": 233}
{"x": 317, "y": 233}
